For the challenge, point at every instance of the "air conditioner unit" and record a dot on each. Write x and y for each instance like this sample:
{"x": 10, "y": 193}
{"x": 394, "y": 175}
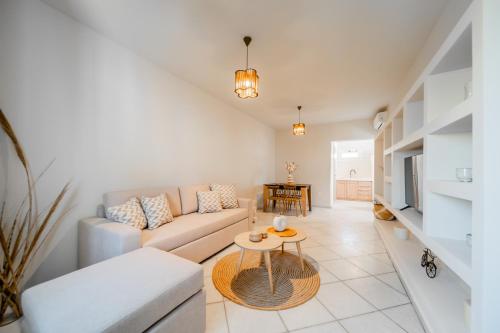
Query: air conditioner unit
{"x": 379, "y": 120}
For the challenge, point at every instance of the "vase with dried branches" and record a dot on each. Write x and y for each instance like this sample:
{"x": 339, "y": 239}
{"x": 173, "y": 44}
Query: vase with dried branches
{"x": 290, "y": 167}
{"x": 22, "y": 235}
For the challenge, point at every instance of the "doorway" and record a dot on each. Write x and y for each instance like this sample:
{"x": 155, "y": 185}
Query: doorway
{"x": 352, "y": 170}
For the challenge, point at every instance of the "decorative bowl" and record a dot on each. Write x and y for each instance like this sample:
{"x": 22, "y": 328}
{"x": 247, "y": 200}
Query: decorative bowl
{"x": 255, "y": 236}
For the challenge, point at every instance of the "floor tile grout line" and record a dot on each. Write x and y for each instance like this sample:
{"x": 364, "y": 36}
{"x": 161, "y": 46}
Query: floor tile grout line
{"x": 387, "y": 284}
{"x": 343, "y": 327}
{"x": 379, "y": 310}
{"x": 282, "y": 321}
{"x": 226, "y": 317}
{"x": 365, "y": 270}
{"x": 397, "y": 324}
{"x": 366, "y": 300}
{"x": 311, "y": 326}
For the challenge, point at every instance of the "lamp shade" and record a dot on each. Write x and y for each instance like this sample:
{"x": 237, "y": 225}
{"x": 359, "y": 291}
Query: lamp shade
{"x": 299, "y": 129}
{"x": 246, "y": 83}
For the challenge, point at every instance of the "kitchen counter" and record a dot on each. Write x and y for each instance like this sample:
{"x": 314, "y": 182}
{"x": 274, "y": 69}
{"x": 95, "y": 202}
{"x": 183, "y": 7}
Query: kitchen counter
{"x": 354, "y": 189}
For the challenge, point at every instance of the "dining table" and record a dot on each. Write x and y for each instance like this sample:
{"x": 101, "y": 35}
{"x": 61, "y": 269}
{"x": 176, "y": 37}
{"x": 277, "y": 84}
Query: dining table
{"x": 305, "y": 198}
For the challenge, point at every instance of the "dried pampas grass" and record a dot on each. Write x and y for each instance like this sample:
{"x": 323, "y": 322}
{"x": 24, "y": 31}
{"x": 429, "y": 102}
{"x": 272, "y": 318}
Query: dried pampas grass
{"x": 21, "y": 236}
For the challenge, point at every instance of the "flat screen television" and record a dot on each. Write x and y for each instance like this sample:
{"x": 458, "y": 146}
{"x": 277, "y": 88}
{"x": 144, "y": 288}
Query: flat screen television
{"x": 413, "y": 173}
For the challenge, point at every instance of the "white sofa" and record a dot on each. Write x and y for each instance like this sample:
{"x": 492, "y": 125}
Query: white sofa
{"x": 146, "y": 290}
{"x": 191, "y": 235}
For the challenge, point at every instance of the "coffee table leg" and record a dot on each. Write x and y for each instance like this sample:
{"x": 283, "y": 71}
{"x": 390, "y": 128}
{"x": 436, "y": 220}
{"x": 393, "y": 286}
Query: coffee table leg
{"x": 242, "y": 253}
{"x": 269, "y": 270}
{"x": 300, "y": 255}
{"x": 282, "y": 248}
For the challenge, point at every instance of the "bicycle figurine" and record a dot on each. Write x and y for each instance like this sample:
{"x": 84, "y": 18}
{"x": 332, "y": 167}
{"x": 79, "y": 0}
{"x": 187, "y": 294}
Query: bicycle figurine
{"x": 428, "y": 262}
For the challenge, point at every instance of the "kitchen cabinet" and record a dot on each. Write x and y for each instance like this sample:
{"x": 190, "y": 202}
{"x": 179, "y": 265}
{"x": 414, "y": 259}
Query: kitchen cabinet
{"x": 341, "y": 189}
{"x": 358, "y": 190}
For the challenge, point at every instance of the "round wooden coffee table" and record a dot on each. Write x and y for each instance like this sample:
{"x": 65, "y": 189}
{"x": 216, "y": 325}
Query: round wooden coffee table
{"x": 299, "y": 237}
{"x": 264, "y": 246}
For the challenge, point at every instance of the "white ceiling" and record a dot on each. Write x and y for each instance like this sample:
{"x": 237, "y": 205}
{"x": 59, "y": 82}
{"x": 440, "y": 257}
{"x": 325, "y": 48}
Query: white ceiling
{"x": 340, "y": 59}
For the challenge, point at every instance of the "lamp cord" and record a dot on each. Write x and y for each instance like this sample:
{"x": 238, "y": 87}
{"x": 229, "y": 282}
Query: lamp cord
{"x": 247, "y": 57}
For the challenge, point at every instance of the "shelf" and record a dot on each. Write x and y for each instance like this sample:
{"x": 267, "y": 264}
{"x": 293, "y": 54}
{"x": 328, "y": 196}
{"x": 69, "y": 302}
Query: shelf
{"x": 413, "y": 118}
{"x": 439, "y": 301}
{"x": 386, "y": 198}
{"x": 454, "y": 253}
{"x": 458, "y": 120}
{"x": 451, "y": 188}
{"x": 388, "y": 179}
{"x": 412, "y": 142}
{"x": 458, "y": 255}
{"x": 412, "y": 219}
{"x": 388, "y": 135}
{"x": 388, "y": 151}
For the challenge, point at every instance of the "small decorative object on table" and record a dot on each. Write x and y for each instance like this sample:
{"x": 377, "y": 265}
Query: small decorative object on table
{"x": 264, "y": 234}
{"x": 464, "y": 174}
{"x": 290, "y": 167}
{"x": 279, "y": 223}
{"x": 255, "y": 236}
{"x": 428, "y": 262}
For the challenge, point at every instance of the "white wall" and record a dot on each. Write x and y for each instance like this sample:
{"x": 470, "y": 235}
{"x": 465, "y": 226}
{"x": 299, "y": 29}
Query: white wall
{"x": 312, "y": 153}
{"x": 362, "y": 164}
{"x": 112, "y": 120}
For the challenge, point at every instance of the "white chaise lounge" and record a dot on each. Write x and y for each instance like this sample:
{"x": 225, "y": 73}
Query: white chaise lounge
{"x": 146, "y": 290}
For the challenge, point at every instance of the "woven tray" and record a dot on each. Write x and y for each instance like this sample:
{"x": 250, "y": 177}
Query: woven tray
{"x": 288, "y": 232}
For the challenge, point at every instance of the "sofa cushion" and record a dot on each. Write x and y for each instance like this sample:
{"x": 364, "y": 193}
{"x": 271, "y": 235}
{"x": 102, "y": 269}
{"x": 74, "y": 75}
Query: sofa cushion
{"x": 119, "y": 197}
{"x": 129, "y": 213}
{"x": 189, "y": 200}
{"x": 187, "y": 228}
{"x": 128, "y": 293}
{"x": 208, "y": 202}
{"x": 157, "y": 210}
{"x": 227, "y": 193}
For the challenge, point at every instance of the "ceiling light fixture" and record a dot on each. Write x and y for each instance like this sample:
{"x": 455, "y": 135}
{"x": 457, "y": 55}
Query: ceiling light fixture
{"x": 246, "y": 81}
{"x": 299, "y": 128}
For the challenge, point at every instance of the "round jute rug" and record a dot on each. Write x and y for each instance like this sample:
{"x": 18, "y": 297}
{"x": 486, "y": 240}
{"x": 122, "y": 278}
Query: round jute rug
{"x": 250, "y": 288}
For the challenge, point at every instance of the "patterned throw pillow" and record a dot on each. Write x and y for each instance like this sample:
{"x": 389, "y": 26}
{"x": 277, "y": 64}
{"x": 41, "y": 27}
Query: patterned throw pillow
{"x": 227, "y": 195}
{"x": 157, "y": 210}
{"x": 208, "y": 202}
{"x": 128, "y": 213}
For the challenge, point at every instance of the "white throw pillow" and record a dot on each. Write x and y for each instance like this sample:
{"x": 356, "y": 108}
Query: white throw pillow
{"x": 157, "y": 210}
{"x": 208, "y": 202}
{"x": 129, "y": 213}
{"x": 227, "y": 195}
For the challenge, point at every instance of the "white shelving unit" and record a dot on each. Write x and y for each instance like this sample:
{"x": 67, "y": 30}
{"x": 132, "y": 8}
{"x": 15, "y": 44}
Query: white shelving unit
{"x": 443, "y": 294}
{"x": 451, "y": 188}
{"x": 434, "y": 119}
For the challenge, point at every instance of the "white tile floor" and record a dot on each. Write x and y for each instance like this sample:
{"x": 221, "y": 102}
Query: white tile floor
{"x": 360, "y": 290}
